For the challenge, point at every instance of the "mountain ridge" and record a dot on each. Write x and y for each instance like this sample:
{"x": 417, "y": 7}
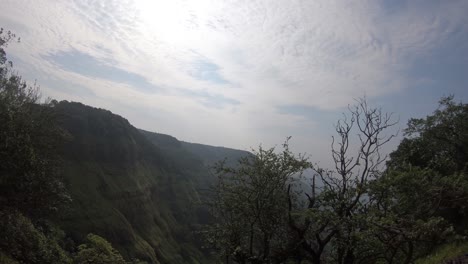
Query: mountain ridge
{"x": 140, "y": 190}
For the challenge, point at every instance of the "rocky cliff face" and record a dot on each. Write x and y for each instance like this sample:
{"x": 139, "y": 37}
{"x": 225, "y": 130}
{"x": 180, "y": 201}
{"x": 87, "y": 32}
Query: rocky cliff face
{"x": 140, "y": 190}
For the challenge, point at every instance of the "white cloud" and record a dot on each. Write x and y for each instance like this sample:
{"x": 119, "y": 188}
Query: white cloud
{"x": 314, "y": 53}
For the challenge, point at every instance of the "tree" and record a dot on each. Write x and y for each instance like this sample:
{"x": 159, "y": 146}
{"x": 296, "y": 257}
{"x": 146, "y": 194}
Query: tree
{"x": 404, "y": 213}
{"x": 424, "y": 190}
{"x": 5, "y": 38}
{"x": 438, "y": 142}
{"x": 29, "y": 137}
{"x": 97, "y": 250}
{"x": 22, "y": 242}
{"x": 337, "y": 213}
{"x": 30, "y": 186}
{"x": 260, "y": 221}
{"x": 250, "y": 206}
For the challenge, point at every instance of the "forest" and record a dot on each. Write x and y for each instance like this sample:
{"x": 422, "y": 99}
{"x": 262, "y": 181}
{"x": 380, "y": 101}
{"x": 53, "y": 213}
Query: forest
{"x": 82, "y": 185}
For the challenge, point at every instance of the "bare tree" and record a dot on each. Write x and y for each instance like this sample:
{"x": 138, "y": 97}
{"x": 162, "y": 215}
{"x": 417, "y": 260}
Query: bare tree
{"x": 334, "y": 215}
{"x": 260, "y": 221}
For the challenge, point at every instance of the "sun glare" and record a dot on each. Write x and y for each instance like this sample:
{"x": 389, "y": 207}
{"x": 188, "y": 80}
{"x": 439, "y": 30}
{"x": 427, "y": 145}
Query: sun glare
{"x": 173, "y": 22}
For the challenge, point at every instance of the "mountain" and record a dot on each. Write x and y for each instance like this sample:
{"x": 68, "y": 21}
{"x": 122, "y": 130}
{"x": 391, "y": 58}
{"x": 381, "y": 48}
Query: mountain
{"x": 210, "y": 155}
{"x": 140, "y": 190}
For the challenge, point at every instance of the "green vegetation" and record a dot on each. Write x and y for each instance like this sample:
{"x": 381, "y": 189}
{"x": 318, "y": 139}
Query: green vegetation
{"x": 248, "y": 204}
{"x": 124, "y": 188}
{"x": 31, "y": 190}
{"x": 30, "y": 181}
{"x": 97, "y": 250}
{"x": 363, "y": 212}
{"x": 25, "y": 243}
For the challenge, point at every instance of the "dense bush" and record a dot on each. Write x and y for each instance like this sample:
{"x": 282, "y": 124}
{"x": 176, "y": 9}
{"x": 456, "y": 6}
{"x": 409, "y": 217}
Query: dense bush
{"x": 25, "y": 243}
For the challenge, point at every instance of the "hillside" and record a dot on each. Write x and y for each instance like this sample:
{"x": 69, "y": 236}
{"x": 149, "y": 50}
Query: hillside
{"x": 210, "y": 155}
{"x": 140, "y": 190}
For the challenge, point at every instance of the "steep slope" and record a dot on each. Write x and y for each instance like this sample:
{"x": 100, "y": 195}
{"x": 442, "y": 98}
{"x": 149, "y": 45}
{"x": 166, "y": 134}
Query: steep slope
{"x": 140, "y": 190}
{"x": 196, "y": 160}
{"x": 189, "y": 165}
{"x": 125, "y": 188}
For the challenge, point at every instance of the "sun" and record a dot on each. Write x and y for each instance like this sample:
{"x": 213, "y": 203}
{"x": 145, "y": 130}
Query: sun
{"x": 174, "y": 22}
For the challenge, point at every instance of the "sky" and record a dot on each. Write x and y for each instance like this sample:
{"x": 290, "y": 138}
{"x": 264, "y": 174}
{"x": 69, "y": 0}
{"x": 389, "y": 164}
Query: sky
{"x": 241, "y": 73}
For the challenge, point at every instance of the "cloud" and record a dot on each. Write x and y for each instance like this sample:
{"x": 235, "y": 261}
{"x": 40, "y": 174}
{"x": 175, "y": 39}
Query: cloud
{"x": 204, "y": 70}
{"x": 84, "y": 64}
{"x": 246, "y": 71}
{"x": 209, "y": 100}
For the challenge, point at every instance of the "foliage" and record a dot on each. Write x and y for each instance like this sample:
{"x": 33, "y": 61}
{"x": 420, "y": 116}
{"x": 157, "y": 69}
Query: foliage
{"x": 438, "y": 142}
{"x": 424, "y": 191}
{"x": 260, "y": 221}
{"x": 31, "y": 190}
{"x": 97, "y": 250}
{"x": 25, "y": 243}
{"x": 404, "y": 225}
{"x": 363, "y": 212}
{"x": 250, "y": 205}
{"x": 368, "y": 213}
{"x": 5, "y": 38}
{"x": 29, "y": 178}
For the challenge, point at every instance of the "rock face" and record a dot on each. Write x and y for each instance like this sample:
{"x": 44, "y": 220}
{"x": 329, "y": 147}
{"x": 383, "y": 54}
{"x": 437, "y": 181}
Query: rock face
{"x": 140, "y": 190}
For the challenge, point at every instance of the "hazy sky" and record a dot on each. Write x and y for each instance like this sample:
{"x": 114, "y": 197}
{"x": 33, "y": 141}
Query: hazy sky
{"x": 240, "y": 73}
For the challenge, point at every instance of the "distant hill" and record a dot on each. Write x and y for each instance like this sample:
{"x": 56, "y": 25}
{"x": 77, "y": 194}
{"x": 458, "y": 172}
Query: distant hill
{"x": 190, "y": 156}
{"x": 210, "y": 155}
{"x": 140, "y": 190}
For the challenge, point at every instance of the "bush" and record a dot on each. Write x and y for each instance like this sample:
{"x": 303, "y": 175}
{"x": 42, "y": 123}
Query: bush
{"x": 23, "y": 242}
{"x": 97, "y": 250}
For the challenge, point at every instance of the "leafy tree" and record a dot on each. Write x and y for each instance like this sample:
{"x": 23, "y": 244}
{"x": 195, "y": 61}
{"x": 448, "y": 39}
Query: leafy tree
{"x": 29, "y": 136}
{"x": 424, "y": 190}
{"x": 250, "y": 205}
{"x": 97, "y": 250}
{"x": 404, "y": 213}
{"x": 30, "y": 186}
{"x": 21, "y": 241}
{"x": 5, "y": 38}
{"x": 438, "y": 142}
